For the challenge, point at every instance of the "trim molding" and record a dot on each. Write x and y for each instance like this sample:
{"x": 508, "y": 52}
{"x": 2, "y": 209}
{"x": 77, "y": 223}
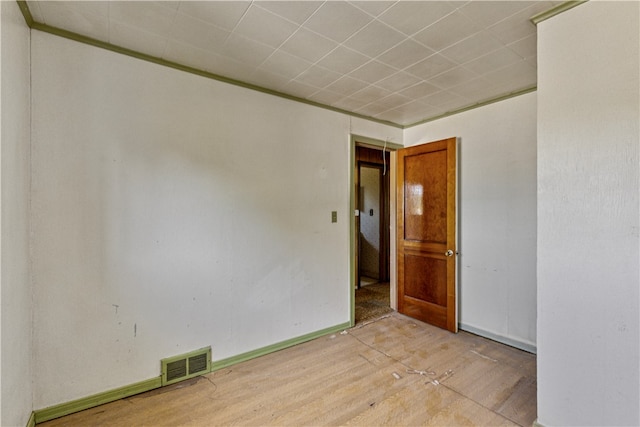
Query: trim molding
{"x": 536, "y": 423}
{"x": 57, "y": 411}
{"x": 477, "y": 105}
{"x": 78, "y": 405}
{"x": 543, "y": 16}
{"x": 159, "y": 61}
{"x": 32, "y": 420}
{"x": 224, "y": 363}
{"x": 24, "y": 8}
{"x": 153, "y": 59}
{"x": 499, "y": 338}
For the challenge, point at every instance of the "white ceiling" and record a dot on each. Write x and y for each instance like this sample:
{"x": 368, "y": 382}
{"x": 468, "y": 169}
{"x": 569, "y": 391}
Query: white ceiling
{"x": 396, "y": 61}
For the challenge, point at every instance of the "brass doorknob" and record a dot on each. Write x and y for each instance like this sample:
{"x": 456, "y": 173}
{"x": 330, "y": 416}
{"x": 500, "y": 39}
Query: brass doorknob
{"x": 449, "y": 253}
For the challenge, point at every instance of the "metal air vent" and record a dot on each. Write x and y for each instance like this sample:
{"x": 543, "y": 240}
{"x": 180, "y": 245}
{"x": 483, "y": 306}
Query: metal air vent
{"x": 185, "y": 366}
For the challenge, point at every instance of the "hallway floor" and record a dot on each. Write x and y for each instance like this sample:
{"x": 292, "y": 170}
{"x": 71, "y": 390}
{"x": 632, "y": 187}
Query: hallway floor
{"x": 372, "y": 300}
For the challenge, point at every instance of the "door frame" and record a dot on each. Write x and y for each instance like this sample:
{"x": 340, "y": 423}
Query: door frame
{"x": 358, "y": 140}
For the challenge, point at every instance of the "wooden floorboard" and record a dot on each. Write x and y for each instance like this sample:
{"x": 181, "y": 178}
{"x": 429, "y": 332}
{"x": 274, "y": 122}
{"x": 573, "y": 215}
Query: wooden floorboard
{"x": 393, "y": 371}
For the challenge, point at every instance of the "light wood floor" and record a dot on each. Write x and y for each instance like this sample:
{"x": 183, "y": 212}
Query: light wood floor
{"x": 394, "y": 371}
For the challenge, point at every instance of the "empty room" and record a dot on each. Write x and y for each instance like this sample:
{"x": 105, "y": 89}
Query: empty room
{"x": 187, "y": 228}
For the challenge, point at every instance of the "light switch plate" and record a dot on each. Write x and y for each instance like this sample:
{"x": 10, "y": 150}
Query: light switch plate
{"x": 334, "y": 216}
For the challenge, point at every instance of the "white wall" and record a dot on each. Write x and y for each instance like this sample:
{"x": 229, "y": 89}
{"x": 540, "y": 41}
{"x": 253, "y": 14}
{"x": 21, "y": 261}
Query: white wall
{"x": 496, "y": 216}
{"x": 15, "y": 282}
{"x": 370, "y": 224}
{"x": 173, "y": 212}
{"x": 588, "y": 216}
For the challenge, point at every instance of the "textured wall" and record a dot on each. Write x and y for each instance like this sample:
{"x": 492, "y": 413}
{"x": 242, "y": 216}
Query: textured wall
{"x": 15, "y": 281}
{"x": 173, "y": 212}
{"x": 588, "y": 216}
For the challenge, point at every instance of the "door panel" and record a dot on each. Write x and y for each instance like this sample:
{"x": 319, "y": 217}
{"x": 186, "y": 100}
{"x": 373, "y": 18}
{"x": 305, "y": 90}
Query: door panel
{"x": 426, "y": 232}
{"x": 417, "y": 269}
{"x": 425, "y": 197}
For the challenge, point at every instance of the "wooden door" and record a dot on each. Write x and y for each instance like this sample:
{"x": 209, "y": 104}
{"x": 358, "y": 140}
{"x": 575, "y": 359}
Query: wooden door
{"x": 427, "y": 233}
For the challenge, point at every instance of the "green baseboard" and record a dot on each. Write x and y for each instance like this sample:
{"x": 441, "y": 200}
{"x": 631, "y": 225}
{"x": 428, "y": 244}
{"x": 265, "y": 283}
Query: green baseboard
{"x": 276, "y": 347}
{"x": 78, "y": 405}
{"x": 57, "y": 411}
{"x": 32, "y": 420}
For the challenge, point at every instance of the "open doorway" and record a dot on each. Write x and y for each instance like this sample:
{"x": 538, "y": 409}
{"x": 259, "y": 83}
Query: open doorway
{"x": 372, "y": 179}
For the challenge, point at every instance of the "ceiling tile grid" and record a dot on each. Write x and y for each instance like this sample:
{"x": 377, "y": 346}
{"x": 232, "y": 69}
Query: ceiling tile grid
{"x": 396, "y": 61}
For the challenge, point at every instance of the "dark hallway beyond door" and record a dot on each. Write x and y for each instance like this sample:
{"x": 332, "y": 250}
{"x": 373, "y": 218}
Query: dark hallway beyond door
{"x": 372, "y": 300}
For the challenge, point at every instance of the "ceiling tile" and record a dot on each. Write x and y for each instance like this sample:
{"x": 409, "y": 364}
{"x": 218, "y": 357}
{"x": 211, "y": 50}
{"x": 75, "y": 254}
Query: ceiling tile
{"x": 527, "y": 47}
{"x": 372, "y": 109}
{"x": 477, "y": 89}
{"x": 224, "y": 14}
{"x": 318, "y": 77}
{"x": 444, "y": 100}
{"x": 520, "y": 72}
{"x": 337, "y": 20}
{"x": 247, "y": 51}
{"x": 532, "y": 61}
{"x": 394, "y": 116}
{"x": 349, "y": 104}
{"x": 472, "y": 47}
{"x": 298, "y": 89}
{"x": 409, "y": 117}
{"x": 166, "y": 3}
{"x": 432, "y": 66}
{"x": 374, "y": 39}
{"x": 495, "y": 60}
{"x": 447, "y": 31}
{"x": 372, "y": 72}
{"x": 100, "y": 8}
{"x": 419, "y": 90}
{"x": 508, "y": 87}
{"x": 403, "y": 61}
{"x": 153, "y": 17}
{"x": 263, "y": 26}
{"x": 296, "y": 11}
{"x": 229, "y": 68}
{"x": 268, "y": 80}
{"x": 190, "y": 56}
{"x": 410, "y": 17}
{"x": 326, "y": 97}
{"x": 36, "y": 13}
{"x": 198, "y": 33}
{"x": 370, "y": 94}
{"x": 514, "y": 27}
{"x": 135, "y": 39}
{"x": 343, "y": 60}
{"x": 398, "y": 82}
{"x": 412, "y": 106}
{"x": 308, "y": 45}
{"x": 285, "y": 64}
{"x": 347, "y": 85}
{"x": 489, "y": 12}
{"x": 375, "y": 7}
{"x": 404, "y": 54}
{"x": 394, "y": 100}
{"x": 77, "y": 19}
{"x": 453, "y": 77}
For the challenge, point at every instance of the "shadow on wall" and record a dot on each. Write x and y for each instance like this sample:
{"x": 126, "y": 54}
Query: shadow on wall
{"x": 369, "y": 258}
